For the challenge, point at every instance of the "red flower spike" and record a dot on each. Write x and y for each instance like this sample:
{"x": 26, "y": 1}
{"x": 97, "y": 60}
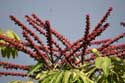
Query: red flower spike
{"x": 53, "y": 53}
{"x": 49, "y": 38}
{"x": 58, "y": 35}
{"x": 15, "y": 66}
{"x": 15, "y": 74}
{"x": 26, "y": 29}
{"x": 37, "y": 26}
{"x": 36, "y": 48}
{"x": 86, "y": 42}
{"x": 104, "y": 46}
{"x": 104, "y": 18}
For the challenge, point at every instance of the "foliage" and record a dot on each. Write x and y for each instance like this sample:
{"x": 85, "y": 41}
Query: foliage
{"x": 109, "y": 70}
{"x": 8, "y": 52}
{"x": 67, "y": 76}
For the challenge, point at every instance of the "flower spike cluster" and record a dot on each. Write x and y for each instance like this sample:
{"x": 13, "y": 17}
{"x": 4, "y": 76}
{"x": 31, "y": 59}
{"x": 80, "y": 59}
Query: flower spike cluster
{"x": 52, "y": 54}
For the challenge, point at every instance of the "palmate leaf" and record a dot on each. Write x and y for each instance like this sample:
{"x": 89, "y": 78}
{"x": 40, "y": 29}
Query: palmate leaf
{"x": 7, "y": 52}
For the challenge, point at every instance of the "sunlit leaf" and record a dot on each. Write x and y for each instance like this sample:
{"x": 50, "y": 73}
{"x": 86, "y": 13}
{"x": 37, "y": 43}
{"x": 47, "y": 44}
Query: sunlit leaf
{"x": 104, "y": 64}
{"x": 66, "y": 76}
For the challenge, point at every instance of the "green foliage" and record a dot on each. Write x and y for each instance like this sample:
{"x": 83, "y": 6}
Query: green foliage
{"x": 35, "y": 68}
{"x": 114, "y": 72}
{"x": 104, "y": 64}
{"x": 109, "y": 70}
{"x": 11, "y": 34}
{"x": 102, "y": 70}
{"x": 63, "y": 76}
{"x": 6, "y": 51}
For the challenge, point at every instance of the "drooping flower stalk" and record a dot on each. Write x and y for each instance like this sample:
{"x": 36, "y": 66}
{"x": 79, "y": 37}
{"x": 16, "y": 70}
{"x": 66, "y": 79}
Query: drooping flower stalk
{"x": 15, "y": 74}
{"x": 9, "y": 65}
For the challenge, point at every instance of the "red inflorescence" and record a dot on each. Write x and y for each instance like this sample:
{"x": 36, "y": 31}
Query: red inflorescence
{"x": 52, "y": 52}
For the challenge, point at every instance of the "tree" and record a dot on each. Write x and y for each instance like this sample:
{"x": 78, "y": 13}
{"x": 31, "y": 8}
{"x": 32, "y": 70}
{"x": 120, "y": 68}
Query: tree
{"x": 67, "y": 62}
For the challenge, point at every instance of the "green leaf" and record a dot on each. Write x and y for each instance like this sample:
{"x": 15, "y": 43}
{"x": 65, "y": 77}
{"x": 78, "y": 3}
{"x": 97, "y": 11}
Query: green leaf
{"x": 3, "y": 52}
{"x": 47, "y": 79}
{"x": 104, "y": 64}
{"x": 54, "y": 77}
{"x": 11, "y": 34}
{"x": 14, "y": 52}
{"x": 66, "y": 77}
{"x": 35, "y": 68}
{"x": 83, "y": 77}
{"x": 38, "y": 75}
{"x": 60, "y": 76}
{"x": 42, "y": 76}
{"x": 9, "y": 52}
{"x": 91, "y": 71}
{"x": 79, "y": 81}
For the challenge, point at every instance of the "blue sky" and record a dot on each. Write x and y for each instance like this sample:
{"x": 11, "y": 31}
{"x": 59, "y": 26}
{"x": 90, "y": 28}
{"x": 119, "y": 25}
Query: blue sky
{"x": 66, "y": 16}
